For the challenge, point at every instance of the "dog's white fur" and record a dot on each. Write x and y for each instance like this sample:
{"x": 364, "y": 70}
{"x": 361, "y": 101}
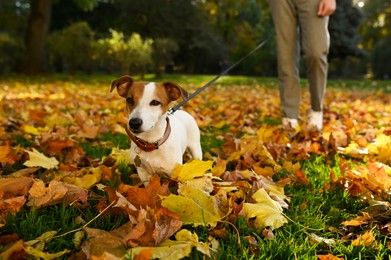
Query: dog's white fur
{"x": 185, "y": 133}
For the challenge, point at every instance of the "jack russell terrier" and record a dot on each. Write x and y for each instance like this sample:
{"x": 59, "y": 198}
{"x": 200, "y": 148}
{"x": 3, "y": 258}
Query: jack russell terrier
{"x": 159, "y": 140}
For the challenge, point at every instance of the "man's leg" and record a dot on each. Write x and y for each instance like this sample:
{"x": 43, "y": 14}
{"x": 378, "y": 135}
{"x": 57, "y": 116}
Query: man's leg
{"x": 285, "y": 23}
{"x": 315, "y": 43}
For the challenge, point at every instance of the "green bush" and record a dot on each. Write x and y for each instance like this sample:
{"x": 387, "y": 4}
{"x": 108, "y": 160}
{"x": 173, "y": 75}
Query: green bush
{"x": 381, "y": 59}
{"x": 130, "y": 55}
{"x": 70, "y": 48}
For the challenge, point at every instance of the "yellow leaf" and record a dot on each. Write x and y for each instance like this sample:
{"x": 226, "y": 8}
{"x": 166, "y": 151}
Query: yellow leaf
{"x": 173, "y": 250}
{"x": 191, "y": 170}
{"x": 121, "y": 156}
{"x": 43, "y": 255}
{"x": 265, "y": 134}
{"x": 267, "y": 212}
{"x": 186, "y": 235}
{"x": 29, "y": 129}
{"x": 87, "y": 180}
{"x": 197, "y": 208}
{"x": 204, "y": 184}
{"x": 37, "y": 159}
{"x": 40, "y": 242}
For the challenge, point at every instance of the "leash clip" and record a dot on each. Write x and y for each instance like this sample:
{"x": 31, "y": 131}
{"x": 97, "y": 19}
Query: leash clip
{"x": 170, "y": 112}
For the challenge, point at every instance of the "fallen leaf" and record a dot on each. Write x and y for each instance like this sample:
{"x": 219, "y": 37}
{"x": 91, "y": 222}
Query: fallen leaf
{"x": 148, "y": 196}
{"x": 101, "y": 241}
{"x": 191, "y": 170}
{"x": 38, "y": 159}
{"x": 173, "y": 250}
{"x": 41, "y": 196}
{"x": 12, "y": 187}
{"x": 358, "y": 221}
{"x": 329, "y": 257}
{"x": 197, "y": 208}
{"x": 11, "y": 205}
{"x": 15, "y": 251}
{"x": 364, "y": 240}
{"x": 44, "y": 255}
{"x": 267, "y": 212}
{"x": 40, "y": 242}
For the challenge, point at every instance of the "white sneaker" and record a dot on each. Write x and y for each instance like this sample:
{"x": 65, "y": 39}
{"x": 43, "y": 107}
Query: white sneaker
{"x": 290, "y": 122}
{"x": 316, "y": 119}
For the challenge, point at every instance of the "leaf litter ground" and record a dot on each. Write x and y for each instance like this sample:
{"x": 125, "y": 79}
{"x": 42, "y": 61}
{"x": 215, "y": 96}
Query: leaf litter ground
{"x": 64, "y": 150}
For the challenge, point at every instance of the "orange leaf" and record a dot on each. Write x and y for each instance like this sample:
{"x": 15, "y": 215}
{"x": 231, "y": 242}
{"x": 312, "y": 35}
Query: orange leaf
{"x": 358, "y": 221}
{"x": 144, "y": 254}
{"x": 329, "y": 257}
{"x": 12, "y": 205}
{"x": 364, "y": 240}
{"x": 149, "y": 196}
{"x": 55, "y": 147}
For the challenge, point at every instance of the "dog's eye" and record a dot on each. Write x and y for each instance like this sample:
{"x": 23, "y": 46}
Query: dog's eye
{"x": 154, "y": 103}
{"x": 130, "y": 101}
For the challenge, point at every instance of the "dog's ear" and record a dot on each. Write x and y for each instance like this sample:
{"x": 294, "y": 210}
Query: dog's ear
{"x": 175, "y": 91}
{"x": 122, "y": 84}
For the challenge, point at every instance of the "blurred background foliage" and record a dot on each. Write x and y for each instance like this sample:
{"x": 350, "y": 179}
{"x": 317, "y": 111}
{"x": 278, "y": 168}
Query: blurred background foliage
{"x": 185, "y": 36}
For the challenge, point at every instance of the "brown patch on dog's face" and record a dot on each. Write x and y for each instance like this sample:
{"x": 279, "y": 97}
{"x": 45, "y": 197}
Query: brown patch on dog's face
{"x": 122, "y": 84}
{"x": 174, "y": 91}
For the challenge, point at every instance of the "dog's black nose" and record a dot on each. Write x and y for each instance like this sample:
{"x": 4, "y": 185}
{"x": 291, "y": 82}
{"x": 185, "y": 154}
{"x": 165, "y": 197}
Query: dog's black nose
{"x": 135, "y": 124}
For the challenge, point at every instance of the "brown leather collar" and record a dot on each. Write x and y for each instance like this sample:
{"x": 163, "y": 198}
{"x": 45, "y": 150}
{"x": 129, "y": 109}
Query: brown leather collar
{"x": 149, "y": 147}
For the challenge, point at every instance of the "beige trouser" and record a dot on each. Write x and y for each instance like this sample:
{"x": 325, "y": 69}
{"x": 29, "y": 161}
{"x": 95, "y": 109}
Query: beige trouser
{"x": 296, "y": 21}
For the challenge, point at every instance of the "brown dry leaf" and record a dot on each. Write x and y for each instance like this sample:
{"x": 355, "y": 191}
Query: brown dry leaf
{"x": 16, "y": 251}
{"x": 41, "y": 196}
{"x": 12, "y": 187}
{"x": 153, "y": 228}
{"x": 11, "y": 205}
{"x": 55, "y": 147}
{"x": 100, "y": 241}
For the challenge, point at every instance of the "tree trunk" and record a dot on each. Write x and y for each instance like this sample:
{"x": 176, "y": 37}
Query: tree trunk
{"x": 37, "y": 31}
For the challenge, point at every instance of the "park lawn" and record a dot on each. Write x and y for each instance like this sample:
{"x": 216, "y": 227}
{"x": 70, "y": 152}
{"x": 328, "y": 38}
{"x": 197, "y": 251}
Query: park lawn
{"x": 337, "y": 183}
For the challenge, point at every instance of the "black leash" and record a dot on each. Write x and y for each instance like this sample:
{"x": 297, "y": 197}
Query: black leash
{"x": 175, "y": 108}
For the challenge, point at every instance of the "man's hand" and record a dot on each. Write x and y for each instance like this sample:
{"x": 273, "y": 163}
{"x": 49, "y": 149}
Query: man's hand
{"x": 326, "y": 7}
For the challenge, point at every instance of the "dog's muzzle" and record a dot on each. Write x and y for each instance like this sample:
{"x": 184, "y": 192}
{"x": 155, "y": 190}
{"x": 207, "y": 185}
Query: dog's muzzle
{"x": 135, "y": 124}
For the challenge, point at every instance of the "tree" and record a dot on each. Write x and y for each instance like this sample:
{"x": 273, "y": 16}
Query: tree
{"x": 37, "y": 31}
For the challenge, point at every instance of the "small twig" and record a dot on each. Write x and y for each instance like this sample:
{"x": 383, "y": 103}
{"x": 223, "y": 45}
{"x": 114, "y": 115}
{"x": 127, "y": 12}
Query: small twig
{"x": 237, "y": 231}
{"x": 297, "y": 223}
{"x": 89, "y": 222}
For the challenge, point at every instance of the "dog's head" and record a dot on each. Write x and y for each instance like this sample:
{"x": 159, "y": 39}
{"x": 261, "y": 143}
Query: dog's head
{"x": 146, "y": 102}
